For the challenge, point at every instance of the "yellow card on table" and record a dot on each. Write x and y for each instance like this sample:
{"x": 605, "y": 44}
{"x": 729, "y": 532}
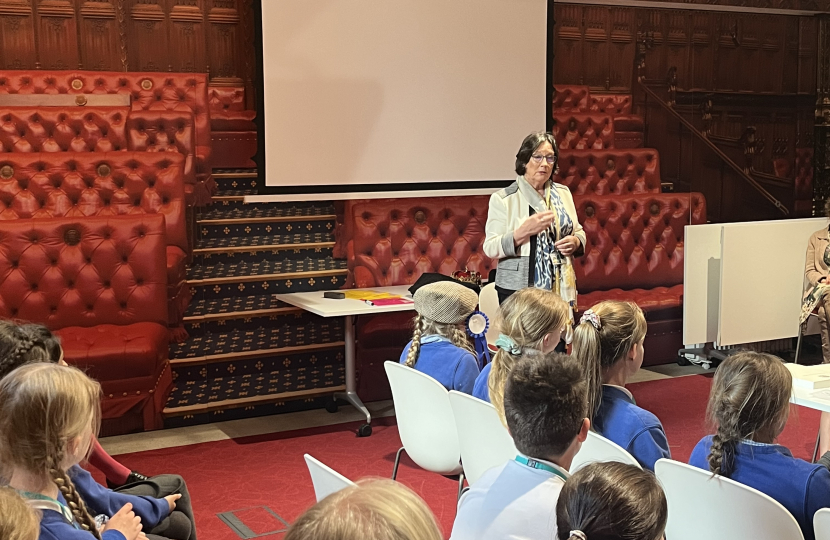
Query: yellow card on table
{"x": 368, "y": 295}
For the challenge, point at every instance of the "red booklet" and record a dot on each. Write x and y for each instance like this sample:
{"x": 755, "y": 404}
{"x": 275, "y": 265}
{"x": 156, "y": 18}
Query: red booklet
{"x": 390, "y": 301}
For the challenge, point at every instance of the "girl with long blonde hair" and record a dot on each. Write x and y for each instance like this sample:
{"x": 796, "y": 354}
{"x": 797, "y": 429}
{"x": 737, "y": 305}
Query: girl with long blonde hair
{"x": 748, "y": 407}
{"x": 49, "y": 415}
{"x": 529, "y": 322}
{"x": 608, "y": 342}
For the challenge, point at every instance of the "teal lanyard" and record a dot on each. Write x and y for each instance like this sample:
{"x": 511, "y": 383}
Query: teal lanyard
{"x": 65, "y": 511}
{"x": 533, "y": 464}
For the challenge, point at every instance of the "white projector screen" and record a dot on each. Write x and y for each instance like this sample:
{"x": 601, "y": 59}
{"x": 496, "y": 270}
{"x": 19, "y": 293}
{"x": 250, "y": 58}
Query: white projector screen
{"x": 400, "y": 91}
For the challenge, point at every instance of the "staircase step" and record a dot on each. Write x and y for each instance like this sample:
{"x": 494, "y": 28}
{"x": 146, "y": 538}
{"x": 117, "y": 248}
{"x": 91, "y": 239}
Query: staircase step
{"x": 277, "y": 284}
{"x": 230, "y": 244}
{"x": 295, "y": 323}
{"x": 238, "y": 409}
{"x": 252, "y": 354}
{"x": 234, "y": 173}
{"x": 232, "y": 308}
{"x": 266, "y": 210}
{"x": 235, "y": 192}
{"x": 245, "y": 270}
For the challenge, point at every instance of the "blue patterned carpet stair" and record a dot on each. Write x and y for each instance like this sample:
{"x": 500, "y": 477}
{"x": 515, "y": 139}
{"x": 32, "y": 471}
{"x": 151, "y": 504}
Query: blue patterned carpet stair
{"x": 247, "y": 353}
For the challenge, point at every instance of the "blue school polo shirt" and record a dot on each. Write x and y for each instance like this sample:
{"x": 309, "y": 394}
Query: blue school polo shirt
{"x": 452, "y": 366}
{"x": 481, "y": 388}
{"x": 620, "y": 420}
{"x": 801, "y": 487}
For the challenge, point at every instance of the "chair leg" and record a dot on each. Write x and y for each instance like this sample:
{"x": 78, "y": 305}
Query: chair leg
{"x": 460, "y": 485}
{"x": 397, "y": 462}
{"x": 798, "y": 343}
{"x": 815, "y": 450}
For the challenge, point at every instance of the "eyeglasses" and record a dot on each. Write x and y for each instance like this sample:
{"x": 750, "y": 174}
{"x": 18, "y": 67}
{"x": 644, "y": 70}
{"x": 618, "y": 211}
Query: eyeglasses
{"x": 538, "y": 158}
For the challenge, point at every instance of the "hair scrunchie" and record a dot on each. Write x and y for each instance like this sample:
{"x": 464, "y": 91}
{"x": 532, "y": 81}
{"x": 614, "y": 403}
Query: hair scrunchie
{"x": 591, "y": 317}
{"x": 506, "y": 343}
{"x": 578, "y": 534}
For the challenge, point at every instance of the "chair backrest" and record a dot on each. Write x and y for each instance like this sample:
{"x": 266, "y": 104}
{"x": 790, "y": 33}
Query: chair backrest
{"x": 325, "y": 479}
{"x": 485, "y": 442}
{"x": 821, "y": 524}
{"x": 598, "y": 448}
{"x": 488, "y": 303}
{"x": 425, "y": 421}
{"x": 717, "y": 508}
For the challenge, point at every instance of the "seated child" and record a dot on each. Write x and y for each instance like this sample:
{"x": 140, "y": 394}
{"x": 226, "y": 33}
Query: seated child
{"x": 545, "y": 405}
{"x": 612, "y": 501}
{"x": 373, "y": 510}
{"x": 18, "y": 520}
{"x": 749, "y": 404}
{"x": 49, "y": 414}
{"x": 439, "y": 346}
{"x": 529, "y": 321}
{"x": 608, "y": 342}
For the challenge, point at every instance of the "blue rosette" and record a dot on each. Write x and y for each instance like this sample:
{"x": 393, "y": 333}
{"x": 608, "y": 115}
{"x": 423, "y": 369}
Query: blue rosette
{"x": 477, "y": 326}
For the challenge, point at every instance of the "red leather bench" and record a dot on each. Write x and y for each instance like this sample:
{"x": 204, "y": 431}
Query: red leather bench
{"x": 233, "y": 131}
{"x": 48, "y": 185}
{"x": 617, "y": 171}
{"x": 102, "y": 129}
{"x": 100, "y": 282}
{"x": 634, "y": 252}
{"x": 583, "y": 131}
{"x": 628, "y": 128}
{"x": 180, "y": 92}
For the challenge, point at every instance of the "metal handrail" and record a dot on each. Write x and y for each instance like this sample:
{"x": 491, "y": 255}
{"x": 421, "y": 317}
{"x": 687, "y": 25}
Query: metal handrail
{"x": 714, "y": 148}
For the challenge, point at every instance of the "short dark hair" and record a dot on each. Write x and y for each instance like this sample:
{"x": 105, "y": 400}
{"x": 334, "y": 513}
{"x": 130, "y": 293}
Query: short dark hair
{"x": 530, "y": 144}
{"x": 613, "y": 501}
{"x": 545, "y": 403}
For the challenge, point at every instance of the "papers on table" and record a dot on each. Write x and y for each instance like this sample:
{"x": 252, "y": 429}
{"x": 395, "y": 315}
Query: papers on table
{"x": 357, "y": 294}
{"x": 810, "y": 377}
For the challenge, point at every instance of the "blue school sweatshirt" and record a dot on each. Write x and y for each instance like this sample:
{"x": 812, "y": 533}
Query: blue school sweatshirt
{"x": 452, "y": 366}
{"x": 801, "y": 487}
{"x": 481, "y": 388}
{"x": 620, "y": 420}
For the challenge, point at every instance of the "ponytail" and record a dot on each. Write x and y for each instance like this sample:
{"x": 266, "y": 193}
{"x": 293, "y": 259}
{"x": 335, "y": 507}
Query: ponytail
{"x": 415, "y": 347}
{"x": 503, "y": 362}
{"x": 586, "y": 347}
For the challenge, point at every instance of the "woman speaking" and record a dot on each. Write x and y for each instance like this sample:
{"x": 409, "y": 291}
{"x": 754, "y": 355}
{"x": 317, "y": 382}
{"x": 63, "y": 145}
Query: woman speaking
{"x": 532, "y": 228}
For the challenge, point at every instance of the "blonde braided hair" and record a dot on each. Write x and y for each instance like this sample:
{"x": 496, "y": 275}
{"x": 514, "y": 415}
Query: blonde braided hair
{"x": 44, "y": 406}
{"x": 423, "y": 326}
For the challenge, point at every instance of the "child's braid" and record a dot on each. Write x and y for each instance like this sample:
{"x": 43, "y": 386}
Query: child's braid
{"x": 415, "y": 347}
{"x": 74, "y": 501}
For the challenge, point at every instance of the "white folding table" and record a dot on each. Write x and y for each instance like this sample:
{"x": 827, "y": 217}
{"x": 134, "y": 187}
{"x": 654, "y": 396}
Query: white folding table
{"x": 315, "y": 302}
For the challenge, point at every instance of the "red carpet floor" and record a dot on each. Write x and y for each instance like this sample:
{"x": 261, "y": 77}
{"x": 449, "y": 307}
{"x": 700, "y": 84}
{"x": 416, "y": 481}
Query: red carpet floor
{"x": 260, "y": 477}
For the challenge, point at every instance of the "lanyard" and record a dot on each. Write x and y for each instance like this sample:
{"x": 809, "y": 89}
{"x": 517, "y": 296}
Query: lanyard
{"x": 533, "y": 464}
{"x": 64, "y": 510}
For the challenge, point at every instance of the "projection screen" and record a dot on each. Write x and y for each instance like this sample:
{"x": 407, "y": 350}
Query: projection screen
{"x": 400, "y": 91}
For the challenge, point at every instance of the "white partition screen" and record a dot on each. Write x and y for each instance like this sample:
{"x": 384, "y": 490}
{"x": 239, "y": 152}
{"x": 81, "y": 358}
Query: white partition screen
{"x": 400, "y": 91}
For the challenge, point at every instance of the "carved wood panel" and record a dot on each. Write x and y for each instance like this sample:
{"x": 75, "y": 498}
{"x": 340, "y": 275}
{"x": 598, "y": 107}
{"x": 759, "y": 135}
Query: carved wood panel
{"x": 100, "y": 36}
{"x": 18, "y": 34}
{"x": 57, "y": 31}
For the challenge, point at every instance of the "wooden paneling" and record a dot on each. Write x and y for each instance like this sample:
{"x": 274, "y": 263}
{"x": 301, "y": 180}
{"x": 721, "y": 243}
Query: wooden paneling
{"x": 204, "y": 36}
{"x": 712, "y": 51}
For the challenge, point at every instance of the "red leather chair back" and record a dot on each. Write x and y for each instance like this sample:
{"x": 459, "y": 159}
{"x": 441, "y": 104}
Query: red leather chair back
{"x": 149, "y": 91}
{"x": 602, "y": 172}
{"x": 55, "y": 129}
{"x": 84, "y": 272}
{"x": 634, "y": 241}
{"x": 612, "y": 104}
{"x": 163, "y": 131}
{"x": 583, "y": 131}
{"x": 49, "y": 185}
{"x": 226, "y": 98}
{"x": 570, "y": 98}
{"x": 396, "y": 240}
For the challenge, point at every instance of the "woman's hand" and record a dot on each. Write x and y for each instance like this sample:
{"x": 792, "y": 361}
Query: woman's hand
{"x": 532, "y": 226}
{"x": 126, "y": 522}
{"x": 171, "y": 500}
{"x": 567, "y": 245}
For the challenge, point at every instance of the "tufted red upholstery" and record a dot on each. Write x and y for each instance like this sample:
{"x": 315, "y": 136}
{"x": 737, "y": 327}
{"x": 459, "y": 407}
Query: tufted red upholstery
{"x": 50, "y": 185}
{"x": 613, "y": 104}
{"x": 602, "y": 172}
{"x": 634, "y": 252}
{"x": 570, "y": 98}
{"x": 233, "y": 130}
{"x": 583, "y": 131}
{"x": 53, "y": 129}
{"x": 101, "y": 282}
{"x": 396, "y": 240}
{"x": 181, "y": 92}
{"x": 161, "y": 131}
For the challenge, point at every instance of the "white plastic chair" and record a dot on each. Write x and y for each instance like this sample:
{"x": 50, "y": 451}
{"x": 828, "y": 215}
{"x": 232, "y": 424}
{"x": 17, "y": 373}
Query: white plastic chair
{"x": 598, "y": 448}
{"x": 485, "y": 442}
{"x": 717, "y": 508}
{"x": 325, "y": 479}
{"x": 488, "y": 303}
{"x": 426, "y": 424}
{"x": 821, "y": 524}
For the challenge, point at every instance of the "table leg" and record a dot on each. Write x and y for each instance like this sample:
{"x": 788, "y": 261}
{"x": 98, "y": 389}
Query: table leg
{"x": 350, "y": 395}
